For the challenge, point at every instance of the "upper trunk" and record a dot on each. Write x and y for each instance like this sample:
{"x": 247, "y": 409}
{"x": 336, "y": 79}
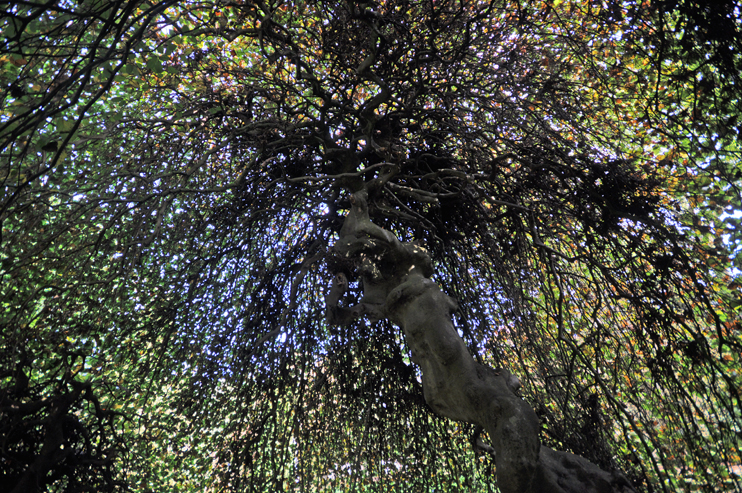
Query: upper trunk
{"x": 397, "y": 286}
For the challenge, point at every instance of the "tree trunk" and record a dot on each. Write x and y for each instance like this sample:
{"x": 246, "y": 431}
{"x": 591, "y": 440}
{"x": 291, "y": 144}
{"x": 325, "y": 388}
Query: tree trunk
{"x": 397, "y": 286}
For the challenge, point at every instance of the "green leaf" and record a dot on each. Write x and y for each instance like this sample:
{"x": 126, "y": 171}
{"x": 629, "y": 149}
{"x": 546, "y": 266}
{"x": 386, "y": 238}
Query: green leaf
{"x": 154, "y": 64}
{"x": 64, "y": 124}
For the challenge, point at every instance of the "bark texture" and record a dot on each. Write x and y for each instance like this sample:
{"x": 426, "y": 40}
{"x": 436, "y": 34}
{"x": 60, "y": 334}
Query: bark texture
{"x": 397, "y": 285}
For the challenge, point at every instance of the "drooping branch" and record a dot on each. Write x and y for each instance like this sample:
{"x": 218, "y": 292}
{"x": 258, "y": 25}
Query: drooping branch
{"x": 397, "y": 286}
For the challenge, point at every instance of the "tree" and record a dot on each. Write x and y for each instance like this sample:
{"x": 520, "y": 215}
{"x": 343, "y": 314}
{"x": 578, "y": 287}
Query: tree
{"x": 184, "y": 180}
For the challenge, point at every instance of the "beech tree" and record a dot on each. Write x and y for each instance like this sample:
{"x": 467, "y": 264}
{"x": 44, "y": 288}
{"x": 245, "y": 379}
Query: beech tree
{"x": 370, "y": 246}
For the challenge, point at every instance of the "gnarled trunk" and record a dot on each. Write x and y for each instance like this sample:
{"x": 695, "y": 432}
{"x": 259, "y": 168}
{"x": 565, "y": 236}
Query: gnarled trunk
{"x": 397, "y": 286}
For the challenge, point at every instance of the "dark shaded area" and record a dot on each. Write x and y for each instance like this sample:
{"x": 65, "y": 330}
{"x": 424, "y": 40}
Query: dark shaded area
{"x": 54, "y": 431}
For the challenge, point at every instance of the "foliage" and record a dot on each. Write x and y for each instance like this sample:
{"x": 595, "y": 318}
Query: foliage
{"x": 175, "y": 174}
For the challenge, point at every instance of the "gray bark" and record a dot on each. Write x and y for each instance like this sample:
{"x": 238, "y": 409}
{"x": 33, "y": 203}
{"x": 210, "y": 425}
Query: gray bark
{"x": 397, "y": 286}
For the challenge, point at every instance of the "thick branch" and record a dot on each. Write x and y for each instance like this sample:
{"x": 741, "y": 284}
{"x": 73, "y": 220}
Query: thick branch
{"x": 397, "y": 284}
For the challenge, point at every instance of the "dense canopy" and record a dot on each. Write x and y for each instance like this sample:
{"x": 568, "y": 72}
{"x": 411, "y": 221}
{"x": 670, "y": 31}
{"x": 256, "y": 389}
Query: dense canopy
{"x": 176, "y": 175}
